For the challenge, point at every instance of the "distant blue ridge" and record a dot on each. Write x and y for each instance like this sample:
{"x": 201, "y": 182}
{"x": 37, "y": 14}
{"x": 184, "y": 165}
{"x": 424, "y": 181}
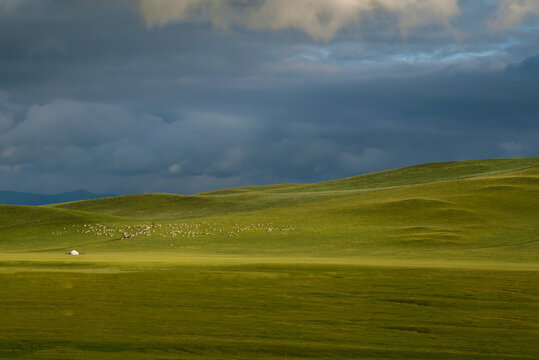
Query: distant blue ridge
{"x": 24, "y": 198}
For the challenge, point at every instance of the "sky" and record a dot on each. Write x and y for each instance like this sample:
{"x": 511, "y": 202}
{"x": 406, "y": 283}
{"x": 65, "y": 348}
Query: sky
{"x": 185, "y": 96}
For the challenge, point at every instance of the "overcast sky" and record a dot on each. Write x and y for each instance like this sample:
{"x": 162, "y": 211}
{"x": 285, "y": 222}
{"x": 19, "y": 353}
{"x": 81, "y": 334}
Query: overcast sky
{"x": 184, "y": 96}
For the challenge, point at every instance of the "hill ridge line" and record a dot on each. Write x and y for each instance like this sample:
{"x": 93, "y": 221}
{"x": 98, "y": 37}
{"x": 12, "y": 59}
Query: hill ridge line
{"x": 300, "y": 187}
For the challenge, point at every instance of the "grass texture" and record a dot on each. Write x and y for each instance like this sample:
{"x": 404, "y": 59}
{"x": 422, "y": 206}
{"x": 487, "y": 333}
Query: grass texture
{"x": 436, "y": 261}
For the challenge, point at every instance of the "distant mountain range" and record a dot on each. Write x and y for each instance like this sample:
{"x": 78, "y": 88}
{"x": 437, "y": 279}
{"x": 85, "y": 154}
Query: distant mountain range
{"x": 24, "y": 198}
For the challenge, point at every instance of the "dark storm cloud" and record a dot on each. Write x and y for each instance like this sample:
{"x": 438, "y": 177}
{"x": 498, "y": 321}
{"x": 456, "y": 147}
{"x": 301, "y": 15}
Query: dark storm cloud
{"x": 91, "y": 97}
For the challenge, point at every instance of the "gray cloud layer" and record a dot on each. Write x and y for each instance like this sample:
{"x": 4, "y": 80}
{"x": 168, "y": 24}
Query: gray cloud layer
{"x": 323, "y": 19}
{"x": 91, "y": 97}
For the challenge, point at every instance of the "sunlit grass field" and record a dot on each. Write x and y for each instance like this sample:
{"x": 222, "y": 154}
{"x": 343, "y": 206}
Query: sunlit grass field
{"x": 436, "y": 261}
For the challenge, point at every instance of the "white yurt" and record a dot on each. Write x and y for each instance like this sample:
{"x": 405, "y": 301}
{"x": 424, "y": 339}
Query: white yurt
{"x": 73, "y": 252}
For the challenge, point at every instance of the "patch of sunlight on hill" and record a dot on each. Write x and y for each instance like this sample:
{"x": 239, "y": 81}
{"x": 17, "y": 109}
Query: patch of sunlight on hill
{"x": 490, "y": 215}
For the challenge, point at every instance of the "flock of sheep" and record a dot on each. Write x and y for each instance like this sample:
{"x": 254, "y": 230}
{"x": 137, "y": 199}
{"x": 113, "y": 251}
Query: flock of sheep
{"x": 171, "y": 230}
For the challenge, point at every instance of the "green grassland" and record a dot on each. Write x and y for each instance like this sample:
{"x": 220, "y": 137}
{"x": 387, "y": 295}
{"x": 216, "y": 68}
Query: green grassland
{"x": 435, "y": 261}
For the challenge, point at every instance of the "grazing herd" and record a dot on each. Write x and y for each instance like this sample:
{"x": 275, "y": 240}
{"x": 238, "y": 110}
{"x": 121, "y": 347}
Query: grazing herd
{"x": 171, "y": 230}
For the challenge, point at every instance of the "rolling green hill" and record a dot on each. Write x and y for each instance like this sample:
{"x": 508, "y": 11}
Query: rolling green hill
{"x": 435, "y": 261}
{"x": 417, "y": 174}
{"x": 472, "y": 209}
{"x": 486, "y": 207}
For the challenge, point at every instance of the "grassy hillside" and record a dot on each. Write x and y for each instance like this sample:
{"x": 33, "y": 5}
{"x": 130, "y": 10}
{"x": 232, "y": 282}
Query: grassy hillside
{"x": 38, "y": 228}
{"x": 485, "y": 209}
{"x": 261, "y": 197}
{"x": 436, "y": 261}
{"x": 417, "y": 174}
{"x": 268, "y": 311}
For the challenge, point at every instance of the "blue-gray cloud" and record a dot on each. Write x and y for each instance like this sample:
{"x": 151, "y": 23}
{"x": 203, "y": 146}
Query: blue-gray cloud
{"x": 91, "y": 97}
{"x": 320, "y": 19}
{"x": 324, "y": 19}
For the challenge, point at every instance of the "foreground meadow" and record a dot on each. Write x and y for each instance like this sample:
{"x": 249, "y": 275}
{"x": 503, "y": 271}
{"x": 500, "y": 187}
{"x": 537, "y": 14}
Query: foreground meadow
{"x": 246, "y": 311}
{"x": 438, "y": 261}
